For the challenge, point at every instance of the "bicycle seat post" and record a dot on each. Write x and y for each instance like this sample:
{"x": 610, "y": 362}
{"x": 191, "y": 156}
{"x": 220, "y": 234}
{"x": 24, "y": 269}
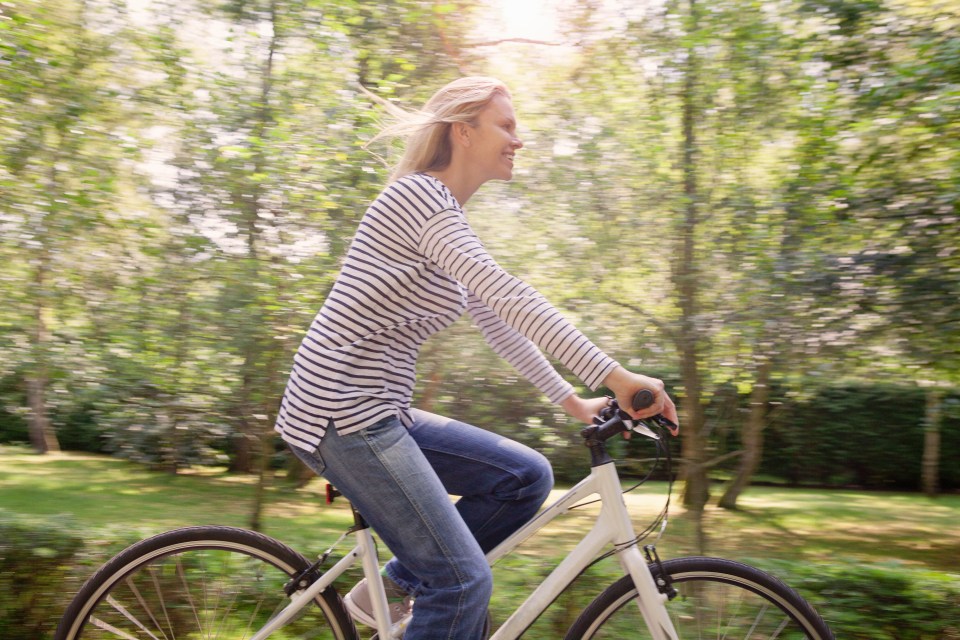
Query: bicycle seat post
{"x": 358, "y": 520}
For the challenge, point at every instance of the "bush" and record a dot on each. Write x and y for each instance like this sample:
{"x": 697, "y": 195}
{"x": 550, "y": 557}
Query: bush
{"x": 13, "y": 402}
{"x": 36, "y": 558}
{"x": 878, "y": 601}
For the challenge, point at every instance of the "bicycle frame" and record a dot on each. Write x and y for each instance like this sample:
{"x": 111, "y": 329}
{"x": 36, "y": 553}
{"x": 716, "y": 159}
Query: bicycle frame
{"x": 612, "y": 527}
{"x": 366, "y": 552}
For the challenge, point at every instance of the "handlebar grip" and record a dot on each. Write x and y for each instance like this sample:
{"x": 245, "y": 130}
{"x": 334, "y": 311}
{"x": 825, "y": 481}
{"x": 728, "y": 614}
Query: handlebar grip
{"x": 642, "y": 400}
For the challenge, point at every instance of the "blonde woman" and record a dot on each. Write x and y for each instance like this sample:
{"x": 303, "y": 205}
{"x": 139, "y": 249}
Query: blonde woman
{"x": 412, "y": 269}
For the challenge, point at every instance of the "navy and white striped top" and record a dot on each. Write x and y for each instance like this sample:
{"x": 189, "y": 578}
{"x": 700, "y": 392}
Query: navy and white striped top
{"x": 411, "y": 270}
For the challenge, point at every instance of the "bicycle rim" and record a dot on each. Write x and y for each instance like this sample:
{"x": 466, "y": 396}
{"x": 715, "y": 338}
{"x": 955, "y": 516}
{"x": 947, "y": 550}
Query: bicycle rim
{"x": 199, "y": 583}
{"x": 716, "y": 599}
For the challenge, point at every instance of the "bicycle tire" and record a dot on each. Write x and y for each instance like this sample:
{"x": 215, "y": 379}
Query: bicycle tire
{"x": 717, "y": 598}
{"x": 199, "y": 582}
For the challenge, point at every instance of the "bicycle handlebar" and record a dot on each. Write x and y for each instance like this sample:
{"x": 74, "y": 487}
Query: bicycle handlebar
{"x": 614, "y": 420}
{"x": 642, "y": 399}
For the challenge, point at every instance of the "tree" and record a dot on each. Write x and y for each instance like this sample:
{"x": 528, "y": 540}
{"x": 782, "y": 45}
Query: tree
{"x": 61, "y": 158}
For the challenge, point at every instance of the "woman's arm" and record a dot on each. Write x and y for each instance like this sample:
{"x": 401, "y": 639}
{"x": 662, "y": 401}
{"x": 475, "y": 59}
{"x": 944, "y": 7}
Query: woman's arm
{"x": 450, "y": 243}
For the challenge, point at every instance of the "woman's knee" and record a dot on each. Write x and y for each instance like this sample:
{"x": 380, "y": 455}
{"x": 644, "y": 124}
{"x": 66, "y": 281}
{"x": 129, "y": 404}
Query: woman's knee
{"x": 478, "y": 584}
{"x": 465, "y": 582}
{"x": 538, "y": 476}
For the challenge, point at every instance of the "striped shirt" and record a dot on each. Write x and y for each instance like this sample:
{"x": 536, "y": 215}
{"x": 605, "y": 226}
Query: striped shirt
{"x": 411, "y": 270}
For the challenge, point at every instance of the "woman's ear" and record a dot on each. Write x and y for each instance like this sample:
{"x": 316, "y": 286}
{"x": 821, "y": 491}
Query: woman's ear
{"x": 461, "y": 133}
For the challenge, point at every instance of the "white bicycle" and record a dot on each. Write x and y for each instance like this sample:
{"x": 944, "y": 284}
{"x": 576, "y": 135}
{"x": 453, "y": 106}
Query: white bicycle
{"x": 224, "y": 583}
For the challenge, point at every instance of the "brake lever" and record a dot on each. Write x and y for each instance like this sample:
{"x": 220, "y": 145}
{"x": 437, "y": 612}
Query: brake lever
{"x": 666, "y": 423}
{"x": 613, "y": 410}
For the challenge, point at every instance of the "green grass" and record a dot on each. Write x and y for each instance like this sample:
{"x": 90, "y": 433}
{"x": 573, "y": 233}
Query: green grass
{"x": 112, "y": 503}
{"x": 108, "y": 497}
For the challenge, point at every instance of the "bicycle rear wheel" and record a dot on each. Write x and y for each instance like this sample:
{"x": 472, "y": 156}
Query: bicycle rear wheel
{"x": 199, "y": 582}
{"x": 717, "y": 599}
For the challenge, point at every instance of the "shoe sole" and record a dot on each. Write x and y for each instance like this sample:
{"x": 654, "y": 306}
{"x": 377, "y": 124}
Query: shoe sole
{"x": 357, "y": 613}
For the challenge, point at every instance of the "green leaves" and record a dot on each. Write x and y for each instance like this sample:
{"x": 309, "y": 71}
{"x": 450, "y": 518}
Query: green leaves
{"x": 190, "y": 174}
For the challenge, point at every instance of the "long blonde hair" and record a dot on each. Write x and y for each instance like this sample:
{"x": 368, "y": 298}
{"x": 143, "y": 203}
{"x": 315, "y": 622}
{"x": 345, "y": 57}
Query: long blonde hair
{"x": 427, "y": 131}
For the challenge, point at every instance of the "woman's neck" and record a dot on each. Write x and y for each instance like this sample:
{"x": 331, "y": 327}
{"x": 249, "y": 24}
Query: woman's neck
{"x": 460, "y": 184}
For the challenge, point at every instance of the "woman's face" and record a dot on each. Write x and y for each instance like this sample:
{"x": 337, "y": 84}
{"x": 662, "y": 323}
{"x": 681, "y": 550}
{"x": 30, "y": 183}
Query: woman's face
{"x": 494, "y": 141}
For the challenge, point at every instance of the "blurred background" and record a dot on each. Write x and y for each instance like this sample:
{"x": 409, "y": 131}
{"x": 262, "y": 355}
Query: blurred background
{"x": 755, "y": 200}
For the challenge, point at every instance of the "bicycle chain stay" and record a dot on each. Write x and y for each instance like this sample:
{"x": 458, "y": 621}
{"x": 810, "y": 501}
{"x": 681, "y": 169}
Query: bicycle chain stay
{"x": 305, "y": 578}
{"x": 313, "y": 573}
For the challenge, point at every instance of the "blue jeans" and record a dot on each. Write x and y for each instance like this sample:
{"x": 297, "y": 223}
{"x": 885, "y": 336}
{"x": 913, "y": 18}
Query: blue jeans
{"x": 400, "y": 480}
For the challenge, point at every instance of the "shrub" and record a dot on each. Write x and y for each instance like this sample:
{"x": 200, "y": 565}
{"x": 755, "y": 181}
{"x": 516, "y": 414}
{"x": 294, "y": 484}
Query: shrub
{"x": 36, "y": 557}
{"x": 889, "y": 601}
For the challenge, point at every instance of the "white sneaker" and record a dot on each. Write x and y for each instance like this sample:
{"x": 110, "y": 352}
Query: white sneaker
{"x": 360, "y": 606}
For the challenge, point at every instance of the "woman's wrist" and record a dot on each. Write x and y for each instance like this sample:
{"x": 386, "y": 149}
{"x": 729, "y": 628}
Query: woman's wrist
{"x": 618, "y": 380}
{"x": 583, "y": 409}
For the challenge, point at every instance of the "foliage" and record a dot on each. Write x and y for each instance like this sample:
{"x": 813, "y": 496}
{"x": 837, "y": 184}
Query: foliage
{"x": 179, "y": 181}
{"x": 882, "y": 601}
{"x": 36, "y": 555}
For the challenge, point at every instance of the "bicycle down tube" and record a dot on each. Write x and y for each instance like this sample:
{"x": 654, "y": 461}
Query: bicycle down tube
{"x": 303, "y": 598}
{"x": 612, "y": 527}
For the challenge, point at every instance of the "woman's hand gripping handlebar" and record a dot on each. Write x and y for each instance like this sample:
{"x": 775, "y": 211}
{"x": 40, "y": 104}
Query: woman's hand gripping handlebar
{"x": 614, "y": 420}
{"x": 642, "y": 397}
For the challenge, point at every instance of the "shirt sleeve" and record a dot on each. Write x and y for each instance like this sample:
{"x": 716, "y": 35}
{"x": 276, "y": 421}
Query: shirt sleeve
{"x": 516, "y": 349}
{"x": 449, "y": 242}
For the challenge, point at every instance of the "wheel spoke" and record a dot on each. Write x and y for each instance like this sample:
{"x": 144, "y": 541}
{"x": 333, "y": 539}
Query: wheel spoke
{"x": 152, "y": 572}
{"x": 146, "y": 608}
{"x": 100, "y": 624}
{"x": 123, "y": 611}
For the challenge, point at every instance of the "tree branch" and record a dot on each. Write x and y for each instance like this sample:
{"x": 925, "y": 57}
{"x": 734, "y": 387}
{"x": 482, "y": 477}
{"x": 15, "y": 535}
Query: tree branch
{"x": 667, "y": 331}
{"x": 714, "y": 462}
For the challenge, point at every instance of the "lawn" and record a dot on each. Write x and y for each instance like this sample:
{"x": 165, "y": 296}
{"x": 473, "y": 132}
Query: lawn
{"x": 112, "y": 502}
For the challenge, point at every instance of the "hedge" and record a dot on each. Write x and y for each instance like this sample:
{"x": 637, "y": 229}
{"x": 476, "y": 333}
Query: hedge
{"x": 868, "y": 436}
{"x": 846, "y": 435}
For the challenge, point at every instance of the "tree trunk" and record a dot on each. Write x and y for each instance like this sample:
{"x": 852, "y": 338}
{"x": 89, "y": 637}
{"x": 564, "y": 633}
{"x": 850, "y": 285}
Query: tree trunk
{"x": 245, "y": 438}
{"x": 265, "y": 454}
{"x": 931, "y": 443}
{"x": 262, "y": 420}
{"x": 176, "y": 435}
{"x": 42, "y": 436}
{"x": 686, "y": 279}
{"x": 752, "y": 437}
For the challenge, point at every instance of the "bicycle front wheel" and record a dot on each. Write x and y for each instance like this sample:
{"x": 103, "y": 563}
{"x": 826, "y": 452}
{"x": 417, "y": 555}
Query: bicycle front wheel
{"x": 199, "y": 582}
{"x": 716, "y": 599}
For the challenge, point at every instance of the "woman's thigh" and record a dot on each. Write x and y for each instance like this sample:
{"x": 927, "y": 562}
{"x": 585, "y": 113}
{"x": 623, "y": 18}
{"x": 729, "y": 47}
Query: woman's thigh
{"x": 502, "y": 483}
{"x": 472, "y": 461}
{"x": 383, "y": 472}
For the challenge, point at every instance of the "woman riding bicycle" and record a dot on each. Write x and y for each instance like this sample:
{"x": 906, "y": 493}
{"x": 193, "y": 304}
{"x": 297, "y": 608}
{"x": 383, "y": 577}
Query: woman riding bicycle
{"x": 412, "y": 269}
